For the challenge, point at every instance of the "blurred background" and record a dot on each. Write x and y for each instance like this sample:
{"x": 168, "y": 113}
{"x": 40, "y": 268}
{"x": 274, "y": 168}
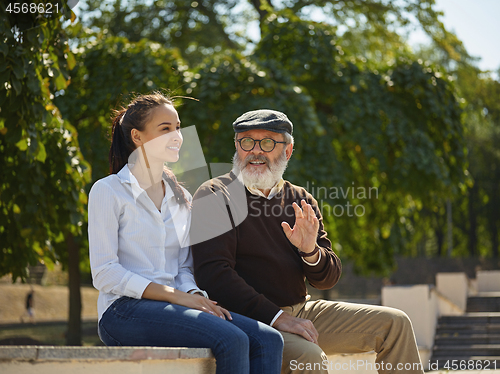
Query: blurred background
{"x": 395, "y": 105}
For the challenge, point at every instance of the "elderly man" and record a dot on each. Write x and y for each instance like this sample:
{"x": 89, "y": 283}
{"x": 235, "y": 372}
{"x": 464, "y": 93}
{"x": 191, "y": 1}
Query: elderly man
{"x": 257, "y": 266}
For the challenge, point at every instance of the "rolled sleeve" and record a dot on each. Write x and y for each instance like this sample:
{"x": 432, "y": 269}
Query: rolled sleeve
{"x": 315, "y": 263}
{"x": 136, "y": 286}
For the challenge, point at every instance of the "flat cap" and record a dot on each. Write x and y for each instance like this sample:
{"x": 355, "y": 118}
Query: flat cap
{"x": 265, "y": 119}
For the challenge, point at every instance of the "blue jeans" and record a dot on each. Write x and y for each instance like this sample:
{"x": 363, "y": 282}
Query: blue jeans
{"x": 240, "y": 346}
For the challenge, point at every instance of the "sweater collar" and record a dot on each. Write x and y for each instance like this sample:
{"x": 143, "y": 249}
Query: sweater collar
{"x": 274, "y": 191}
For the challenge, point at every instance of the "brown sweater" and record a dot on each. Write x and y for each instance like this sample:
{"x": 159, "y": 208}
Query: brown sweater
{"x": 253, "y": 269}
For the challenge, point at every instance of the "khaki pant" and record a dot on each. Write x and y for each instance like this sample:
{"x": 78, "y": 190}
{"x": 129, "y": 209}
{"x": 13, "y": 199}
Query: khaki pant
{"x": 351, "y": 328}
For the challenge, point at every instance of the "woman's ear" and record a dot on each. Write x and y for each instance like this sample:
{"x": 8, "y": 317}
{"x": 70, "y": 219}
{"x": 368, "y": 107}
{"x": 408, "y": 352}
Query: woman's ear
{"x": 135, "y": 135}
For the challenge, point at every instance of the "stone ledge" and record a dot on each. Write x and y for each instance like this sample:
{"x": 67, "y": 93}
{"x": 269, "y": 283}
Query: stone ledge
{"x": 55, "y": 353}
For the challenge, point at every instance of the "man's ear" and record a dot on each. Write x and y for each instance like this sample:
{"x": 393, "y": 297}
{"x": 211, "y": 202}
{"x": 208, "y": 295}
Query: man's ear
{"x": 289, "y": 151}
{"x": 135, "y": 135}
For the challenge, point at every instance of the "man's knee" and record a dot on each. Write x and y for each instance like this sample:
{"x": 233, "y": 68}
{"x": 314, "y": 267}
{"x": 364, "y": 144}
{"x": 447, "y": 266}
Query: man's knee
{"x": 307, "y": 355}
{"x": 397, "y": 319}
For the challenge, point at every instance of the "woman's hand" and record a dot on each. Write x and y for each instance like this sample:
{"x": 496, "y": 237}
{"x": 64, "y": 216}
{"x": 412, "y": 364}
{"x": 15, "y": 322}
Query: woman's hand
{"x": 201, "y": 303}
{"x": 155, "y": 291}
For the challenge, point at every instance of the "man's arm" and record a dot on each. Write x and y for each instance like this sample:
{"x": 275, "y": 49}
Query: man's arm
{"x": 306, "y": 233}
{"x": 322, "y": 268}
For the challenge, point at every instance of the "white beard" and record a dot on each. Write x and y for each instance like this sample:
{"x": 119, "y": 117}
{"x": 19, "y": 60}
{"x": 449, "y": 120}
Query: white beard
{"x": 261, "y": 180}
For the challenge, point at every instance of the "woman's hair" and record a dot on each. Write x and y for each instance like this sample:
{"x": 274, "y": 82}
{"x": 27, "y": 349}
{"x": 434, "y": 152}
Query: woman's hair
{"x": 135, "y": 116}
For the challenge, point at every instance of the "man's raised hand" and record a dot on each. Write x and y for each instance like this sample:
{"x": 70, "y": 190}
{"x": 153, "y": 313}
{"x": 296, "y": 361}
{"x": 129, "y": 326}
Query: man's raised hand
{"x": 305, "y": 231}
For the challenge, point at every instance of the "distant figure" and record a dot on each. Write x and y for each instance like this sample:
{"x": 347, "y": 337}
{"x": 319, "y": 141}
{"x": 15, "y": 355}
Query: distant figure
{"x": 29, "y": 312}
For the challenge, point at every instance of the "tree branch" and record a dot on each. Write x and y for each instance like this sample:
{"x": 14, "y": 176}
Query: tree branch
{"x": 257, "y": 4}
{"x": 214, "y": 21}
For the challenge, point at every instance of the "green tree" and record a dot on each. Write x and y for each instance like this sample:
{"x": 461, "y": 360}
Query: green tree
{"x": 475, "y": 215}
{"x": 196, "y": 28}
{"x": 482, "y": 119}
{"x": 42, "y": 201}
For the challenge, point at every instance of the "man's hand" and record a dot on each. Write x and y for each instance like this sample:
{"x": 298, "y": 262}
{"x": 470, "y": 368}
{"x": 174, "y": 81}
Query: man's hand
{"x": 299, "y": 326}
{"x": 305, "y": 231}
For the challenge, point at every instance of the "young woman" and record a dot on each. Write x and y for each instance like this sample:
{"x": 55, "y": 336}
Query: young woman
{"x": 138, "y": 221}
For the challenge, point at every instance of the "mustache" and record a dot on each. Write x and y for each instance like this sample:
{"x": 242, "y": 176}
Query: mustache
{"x": 251, "y": 158}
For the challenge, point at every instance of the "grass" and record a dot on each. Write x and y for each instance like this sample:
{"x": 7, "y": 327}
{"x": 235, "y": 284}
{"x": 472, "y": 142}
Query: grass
{"x": 47, "y": 333}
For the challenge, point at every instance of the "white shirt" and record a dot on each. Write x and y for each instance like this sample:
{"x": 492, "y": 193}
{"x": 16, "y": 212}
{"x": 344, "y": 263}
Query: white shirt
{"x": 132, "y": 244}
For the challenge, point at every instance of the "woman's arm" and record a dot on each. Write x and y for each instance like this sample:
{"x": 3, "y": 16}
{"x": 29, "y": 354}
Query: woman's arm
{"x": 155, "y": 291}
{"x": 184, "y": 280}
{"x": 108, "y": 275}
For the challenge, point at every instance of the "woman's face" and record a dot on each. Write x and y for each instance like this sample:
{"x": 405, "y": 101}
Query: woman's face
{"x": 162, "y": 138}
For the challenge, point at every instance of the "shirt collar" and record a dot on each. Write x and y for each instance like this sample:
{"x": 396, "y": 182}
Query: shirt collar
{"x": 274, "y": 191}
{"x": 126, "y": 176}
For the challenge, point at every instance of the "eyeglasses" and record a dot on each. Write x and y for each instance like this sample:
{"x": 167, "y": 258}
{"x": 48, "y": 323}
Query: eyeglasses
{"x": 266, "y": 144}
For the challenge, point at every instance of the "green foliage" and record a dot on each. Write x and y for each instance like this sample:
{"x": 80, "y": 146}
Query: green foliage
{"x": 197, "y": 28}
{"x": 43, "y": 172}
{"x": 109, "y": 71}
{"x": 476, "y": 218}
{"x": 482, "y": 119}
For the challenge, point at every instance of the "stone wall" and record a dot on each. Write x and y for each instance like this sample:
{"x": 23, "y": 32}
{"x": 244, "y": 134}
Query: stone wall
{"x": 409, "y": 271}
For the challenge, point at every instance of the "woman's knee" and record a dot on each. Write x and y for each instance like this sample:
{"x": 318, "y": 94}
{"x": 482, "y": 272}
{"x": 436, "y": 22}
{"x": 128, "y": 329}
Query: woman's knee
{"x": 271, "y": 338}
{"x": 232, "y": 338}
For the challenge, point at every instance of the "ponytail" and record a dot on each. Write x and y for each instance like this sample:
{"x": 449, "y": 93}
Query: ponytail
{"x": 174, "y": 184}
{"x": 119, "y": 151}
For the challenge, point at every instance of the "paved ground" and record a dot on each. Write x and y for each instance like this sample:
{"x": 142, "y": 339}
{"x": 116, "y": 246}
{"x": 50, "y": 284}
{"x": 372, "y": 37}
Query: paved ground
{"x": 51, "y": 302}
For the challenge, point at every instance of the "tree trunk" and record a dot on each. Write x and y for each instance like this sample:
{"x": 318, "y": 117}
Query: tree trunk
{"x": 439, "y": 241}
{"x": 449, "y": 228}
{"x": 494, "y": 218}
{"x": 472, "y": 220}
{"x": 74, "y": 334}
{"x": 438, "y": 231}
